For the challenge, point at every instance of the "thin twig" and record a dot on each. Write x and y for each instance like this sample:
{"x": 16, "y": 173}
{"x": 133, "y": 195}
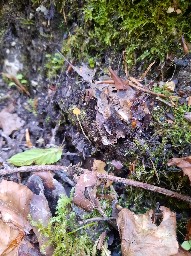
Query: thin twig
{"x": 97, "y": 219}
{"x": 126, "y": 182}
{"x": 135, "y": 84}
{"x": 34, "y": 168}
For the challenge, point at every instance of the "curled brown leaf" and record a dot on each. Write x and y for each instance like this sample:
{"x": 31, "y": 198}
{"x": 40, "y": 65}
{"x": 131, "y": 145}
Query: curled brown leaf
{"x": 87, "y": 180}
{"x": 140, "y": 236}
{"x": 184, "y": 163}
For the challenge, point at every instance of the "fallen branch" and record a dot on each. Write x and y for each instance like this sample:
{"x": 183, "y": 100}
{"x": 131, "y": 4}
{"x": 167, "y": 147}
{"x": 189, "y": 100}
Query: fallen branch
{"x": 126, "y": 182}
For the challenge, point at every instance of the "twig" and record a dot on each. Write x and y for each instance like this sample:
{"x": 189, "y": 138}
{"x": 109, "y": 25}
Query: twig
{"x": 126, "y": 182}
{"x": 34, "y": 168}
{"x": 139, "y": 87}
{"x": 146, "y": 186}
{"x": 19, "y": 86}
{"x": 97, "y": 219}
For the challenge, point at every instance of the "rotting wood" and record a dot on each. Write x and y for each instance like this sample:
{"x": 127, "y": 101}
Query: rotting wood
{"x": 126, "y": 182}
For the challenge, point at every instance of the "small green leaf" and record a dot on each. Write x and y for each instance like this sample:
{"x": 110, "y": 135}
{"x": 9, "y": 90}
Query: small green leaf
{"x": 11, "y": 84}
{"x": 37, "y": 156}
{"x": 186, "y": 245}
{"x": 23, "y": 81}
{"x": 19, "y": 76}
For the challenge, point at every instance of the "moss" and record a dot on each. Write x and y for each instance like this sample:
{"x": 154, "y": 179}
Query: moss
{"x": 170, "y": 136}
{"x": 143, "y": 29}
{"x": 176, "y": 131}
{"x": 64, "y": 233}
{"x": 54, "y": 64}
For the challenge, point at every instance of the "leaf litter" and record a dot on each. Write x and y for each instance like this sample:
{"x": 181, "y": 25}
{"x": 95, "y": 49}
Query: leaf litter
{"x": 139, "y": 235}
{"x": 10, "y": 122}
{"x": 14, "y": 209}
{"x": 184, "y": 163}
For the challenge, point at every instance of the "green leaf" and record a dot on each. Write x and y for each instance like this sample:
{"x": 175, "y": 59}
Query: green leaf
{"x": 11, "y": 84}
{"x": 37, "y": 156}
{"x": 19, "y": 76}
{"x": 186, "y": 245}
{"x": 23, "y": 81}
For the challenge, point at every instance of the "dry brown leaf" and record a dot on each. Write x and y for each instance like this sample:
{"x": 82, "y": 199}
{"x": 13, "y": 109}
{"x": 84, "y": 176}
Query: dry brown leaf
{"x": 98, "y": 166}
{"x": 9, "y": 234}
{"x": 140, "y": 236}
{"x": 87, "y": 180}
{"x": 184, "y": 45}
{"x": 16, "y": 198}
{"x": 13, "y": 244}
{"x": 14, "y": 208}
{"x": 10, "y": 122}
{"x": 119, "y": 84}
{"x": 184, "y": 163}
{"x": 170, "y": 86}
{"x": 47, "y": 178}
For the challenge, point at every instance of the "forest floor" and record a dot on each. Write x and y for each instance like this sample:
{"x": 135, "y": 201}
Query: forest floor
{"x": 121, "y": 141}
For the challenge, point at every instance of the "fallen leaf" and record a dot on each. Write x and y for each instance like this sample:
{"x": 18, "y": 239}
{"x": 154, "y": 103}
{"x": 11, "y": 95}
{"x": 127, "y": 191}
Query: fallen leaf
{"x": 47, "y": 178}
{"x": 170, "y": 86}
{"x": 140, "y": 236}
{"x": 170, "y": 9}
{"x": 184, "y": 163}
{"x": 13, "y": 244}
{"x": 14, "y": 207}
{"x": 98, "y": 166}
{"x": 187, "y": 116}
{"x": 87, "y": 180}
{"x": 119, "y": 84}
{"x": 178, "y": 11}
{"x": 86, "y": 73}
{"x": 37, "y": 156}
{"x": 10, "y": 122}
{"x": 184, "y": 45}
